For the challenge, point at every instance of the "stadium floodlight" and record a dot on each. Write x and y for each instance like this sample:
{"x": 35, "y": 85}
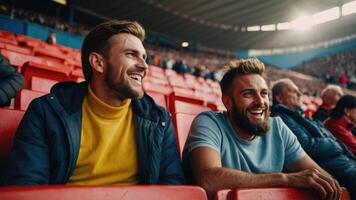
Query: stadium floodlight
{"x": 283, "y": 26}
{"x": 63, "y": 2}
{"x": 185, "y": 44}
{"x": 326, "y": 15}
{"x": 253, "y": 28}
{"x": 302, "y": 23}
{"x": 349, "y": 8}
{"x": 270, "y": 27}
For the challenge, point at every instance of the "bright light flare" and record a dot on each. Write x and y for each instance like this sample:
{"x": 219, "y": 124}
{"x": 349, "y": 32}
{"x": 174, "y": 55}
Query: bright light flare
{"x": 302, "y": 23}
{"x": 269, "y": 27}
{"x": 349, "y": 8}
{"x": 283, "y": 26}
{"x": 253, "y": 28}
{"x": 326, "y": 15}
{"x": 185, "y": 44}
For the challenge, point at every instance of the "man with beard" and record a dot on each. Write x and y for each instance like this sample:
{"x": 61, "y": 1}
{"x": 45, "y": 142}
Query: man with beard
{"x": 104, "y": 131}
{"x": 330, "y": 153}
{"x": 244, "y": 147}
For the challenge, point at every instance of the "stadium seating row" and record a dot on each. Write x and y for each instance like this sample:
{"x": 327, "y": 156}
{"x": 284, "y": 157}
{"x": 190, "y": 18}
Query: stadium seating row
{"x": 154, "y": 192}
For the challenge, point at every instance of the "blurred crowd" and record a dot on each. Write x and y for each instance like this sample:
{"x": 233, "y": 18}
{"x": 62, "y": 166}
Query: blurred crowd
{"x": 43, "y": 19}
{"x": 339, "y": 68}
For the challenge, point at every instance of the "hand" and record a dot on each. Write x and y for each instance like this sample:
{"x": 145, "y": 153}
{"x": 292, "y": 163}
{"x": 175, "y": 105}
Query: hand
{"x": 325, "y": 184}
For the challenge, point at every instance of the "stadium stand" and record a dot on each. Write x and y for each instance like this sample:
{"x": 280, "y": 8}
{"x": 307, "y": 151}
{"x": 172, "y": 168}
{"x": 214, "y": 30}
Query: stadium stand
{"x": 184, "y": 95}
{"x": 148, "y": 192}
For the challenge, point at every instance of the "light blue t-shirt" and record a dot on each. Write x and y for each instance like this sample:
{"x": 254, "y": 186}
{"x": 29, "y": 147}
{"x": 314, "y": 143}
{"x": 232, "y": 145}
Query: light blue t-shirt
{"x": 267, "y": 153}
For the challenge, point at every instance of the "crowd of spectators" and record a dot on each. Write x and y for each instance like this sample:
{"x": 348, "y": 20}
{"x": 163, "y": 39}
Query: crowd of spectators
{"x": 40, "y": 18}
{"x": 339, "y": 68}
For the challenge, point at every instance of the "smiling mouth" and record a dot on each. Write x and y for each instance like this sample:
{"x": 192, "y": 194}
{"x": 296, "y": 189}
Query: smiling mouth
{"x": 257, "y": 113}
{"x": 137, "y": 78}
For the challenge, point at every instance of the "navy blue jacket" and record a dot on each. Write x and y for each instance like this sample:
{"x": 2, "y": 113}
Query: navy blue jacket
{"x": 322, "y": 146}
{"x": 315, "y": 139}
{"x": 47, "y": 142}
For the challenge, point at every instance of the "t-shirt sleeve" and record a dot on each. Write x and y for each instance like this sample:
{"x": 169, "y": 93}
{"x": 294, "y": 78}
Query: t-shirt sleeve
{"x": 293, "y": 149}
{"x": 204, "y": 132}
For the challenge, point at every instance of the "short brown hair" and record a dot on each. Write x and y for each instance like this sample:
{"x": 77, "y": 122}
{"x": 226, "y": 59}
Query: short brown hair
{"x": 240, "y": 67}
{"x": 97, "y": 40}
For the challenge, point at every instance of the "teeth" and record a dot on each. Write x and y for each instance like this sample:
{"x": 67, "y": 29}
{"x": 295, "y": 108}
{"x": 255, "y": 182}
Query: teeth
{"x": 136, "y": 77}
{"x": 259, "y": 112}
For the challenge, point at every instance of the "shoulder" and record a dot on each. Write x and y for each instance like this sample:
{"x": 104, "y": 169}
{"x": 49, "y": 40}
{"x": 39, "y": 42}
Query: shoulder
{"x": 210, "y": 118}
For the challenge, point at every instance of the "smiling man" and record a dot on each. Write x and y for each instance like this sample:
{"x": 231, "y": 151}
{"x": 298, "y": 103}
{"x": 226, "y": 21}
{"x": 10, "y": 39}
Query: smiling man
{"x": 244, "y": 147}
{"x": 104, "y": 131}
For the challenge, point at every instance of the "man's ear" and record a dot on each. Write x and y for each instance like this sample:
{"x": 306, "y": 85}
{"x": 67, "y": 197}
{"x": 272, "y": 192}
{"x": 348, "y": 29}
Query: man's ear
{"x": 97, "y": 62}
{"x": 227, "y": 101}
{"x": 278, "y": 98}
{"x": 347, "y": 112}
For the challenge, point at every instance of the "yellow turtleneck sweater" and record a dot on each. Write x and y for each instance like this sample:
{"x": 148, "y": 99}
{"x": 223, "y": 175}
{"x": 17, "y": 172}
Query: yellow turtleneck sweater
{"x": 108, "y": 150}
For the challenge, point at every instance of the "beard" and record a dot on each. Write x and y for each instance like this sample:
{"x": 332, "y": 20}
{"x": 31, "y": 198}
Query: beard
{"x": 242, "y": 121}
{"x": 123, "y": 89}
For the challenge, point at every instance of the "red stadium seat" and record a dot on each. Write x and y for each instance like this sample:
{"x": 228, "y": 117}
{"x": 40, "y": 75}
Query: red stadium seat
{"x": 159, "y": 98}
{"x": 223, "y": 194}
{"x": 147, "y": 192}
{"x": 24, "y": 98}
{"x": 279, "y": 194}
{"x": 9, "y": 122}
{"x": 184, "y": 110}
{"x": 42, "y": 84}
{"x": 152, "y": 87}
{"x": 15, "y": 48}
{"x": 182, "y": 123}
{"x": 56, "y": 73}
{"x": 52, "y": 54}
{"x": 19, "y": 59}
{"x": 8, "y": 41}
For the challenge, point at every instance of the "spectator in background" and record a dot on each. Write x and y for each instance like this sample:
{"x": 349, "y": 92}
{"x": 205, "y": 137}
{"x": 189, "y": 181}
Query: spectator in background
{"x": 10, "y": 82}
{"x": 329, "y": 95}
{"x": 331, "y": 154}
{"x": 180, "y": 67}
{"x": 244, "y": 147}
{"x": 104, "y": 131}
{"x": 342, "y": 119}
{"x": 343, "y": 80}
{"x": 51, "y": 38}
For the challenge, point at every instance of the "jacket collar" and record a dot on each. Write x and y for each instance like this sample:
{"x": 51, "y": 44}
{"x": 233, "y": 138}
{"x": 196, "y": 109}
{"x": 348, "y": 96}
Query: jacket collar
{"x": 71, "y": 96}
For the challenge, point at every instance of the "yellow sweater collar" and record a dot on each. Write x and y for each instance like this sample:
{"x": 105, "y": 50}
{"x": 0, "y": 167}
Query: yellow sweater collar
{"x": 105, "y": 110}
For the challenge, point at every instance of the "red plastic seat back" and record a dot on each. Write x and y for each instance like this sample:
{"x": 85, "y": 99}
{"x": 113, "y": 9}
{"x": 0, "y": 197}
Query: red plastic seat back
{"x": 280, "y": 194}
{"x": 42, "y": 84}
{"x": 24, "y": 98}
{"x": 147, "y": 192}
{"x": 159, "y": 98}
{"x": 9, "y": 122}
{"x": 182, "y": 123}
{"x": 56, "y": 72}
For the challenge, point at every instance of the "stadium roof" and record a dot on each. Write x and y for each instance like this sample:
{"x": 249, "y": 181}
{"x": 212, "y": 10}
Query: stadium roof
{"x": 223, "y": 24}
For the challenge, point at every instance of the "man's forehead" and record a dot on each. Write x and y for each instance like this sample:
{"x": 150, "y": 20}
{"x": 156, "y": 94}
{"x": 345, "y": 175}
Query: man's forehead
{"x": 250, "y": 80}
{"x": 126, "y": 40}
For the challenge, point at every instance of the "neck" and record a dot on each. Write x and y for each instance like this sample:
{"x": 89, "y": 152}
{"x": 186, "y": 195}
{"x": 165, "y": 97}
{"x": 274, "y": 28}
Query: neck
{"x": 105, "y": 94}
